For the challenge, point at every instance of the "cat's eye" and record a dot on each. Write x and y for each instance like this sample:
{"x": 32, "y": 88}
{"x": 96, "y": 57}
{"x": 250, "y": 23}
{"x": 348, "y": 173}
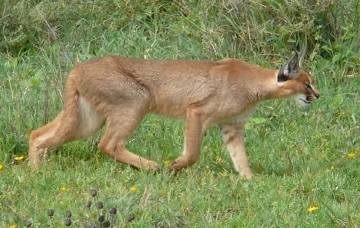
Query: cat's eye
{"x": 308, "y": 86}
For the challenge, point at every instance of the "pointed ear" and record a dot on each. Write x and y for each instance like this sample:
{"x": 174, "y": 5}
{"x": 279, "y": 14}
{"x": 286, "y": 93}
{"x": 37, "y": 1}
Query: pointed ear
{"x": 301, "y": 55}
{"x": 290, "y": 69}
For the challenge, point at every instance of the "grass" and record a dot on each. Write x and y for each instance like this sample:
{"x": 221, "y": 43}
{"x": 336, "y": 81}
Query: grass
{"x": 300, "y": 156}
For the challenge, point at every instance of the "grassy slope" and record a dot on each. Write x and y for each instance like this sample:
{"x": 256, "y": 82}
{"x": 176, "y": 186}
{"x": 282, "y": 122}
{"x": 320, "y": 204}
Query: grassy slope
{"x": 300, "y": 156}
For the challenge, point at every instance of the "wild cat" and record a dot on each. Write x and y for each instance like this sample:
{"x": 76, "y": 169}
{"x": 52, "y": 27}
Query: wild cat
{"x": 119, "y": 92}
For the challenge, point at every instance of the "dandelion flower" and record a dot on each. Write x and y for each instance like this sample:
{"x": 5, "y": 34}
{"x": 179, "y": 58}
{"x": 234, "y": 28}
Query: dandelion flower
{"x": 167, "y": 163}
{"x": 313, "y": 208}
{"x": 133, "y": 189}
{"x": 12, "y": 226}
{"x": 100, "y": 205}
{"x": 63, "y": 189}
{"x": 1, "y": 167}
{"x": 28, "y": 223}
{"x": 101, "y": 218}
{"x": 107, "y": 223}
{"x": 113, "y": 211}
{"x": 50, "y": 212}
{"x": 67, "y": 222}
{"x": 68, "y": 214}
{"x": 130, "y": 218}
{"x": 93, "y": 192}
{"x": 19, "y": 158}
{"x": 351, "y": 155}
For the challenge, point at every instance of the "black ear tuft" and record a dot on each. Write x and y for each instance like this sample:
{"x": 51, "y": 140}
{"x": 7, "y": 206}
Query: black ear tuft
{"x": 301, "y": 55}
{"x": 290, "y": 69}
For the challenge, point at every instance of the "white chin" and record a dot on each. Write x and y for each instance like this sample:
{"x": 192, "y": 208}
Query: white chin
{"x": 303, "y": 103}
{"x": 301, "y": 99}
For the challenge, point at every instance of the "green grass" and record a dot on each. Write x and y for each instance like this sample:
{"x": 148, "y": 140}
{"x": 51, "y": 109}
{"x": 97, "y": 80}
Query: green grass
{"x": 299, "y": 156}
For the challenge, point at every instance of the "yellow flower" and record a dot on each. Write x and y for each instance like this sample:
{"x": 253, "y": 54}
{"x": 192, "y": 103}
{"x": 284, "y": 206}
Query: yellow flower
{"x": 167, "y": 163}
{"x": 63, "y": 189}
{"x": 12, "y": 226}
{"x": 1, "y": 167}
{"x": 313, "y": 208}
{"x": 351, "y": 155}
{"x": 133, "y": 189}
{"x": 332, "y": 167}
{"x": 19, "y": 158}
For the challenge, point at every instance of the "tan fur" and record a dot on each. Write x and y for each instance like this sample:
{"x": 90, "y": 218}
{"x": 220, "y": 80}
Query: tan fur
{"x": 121, "y": 91}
